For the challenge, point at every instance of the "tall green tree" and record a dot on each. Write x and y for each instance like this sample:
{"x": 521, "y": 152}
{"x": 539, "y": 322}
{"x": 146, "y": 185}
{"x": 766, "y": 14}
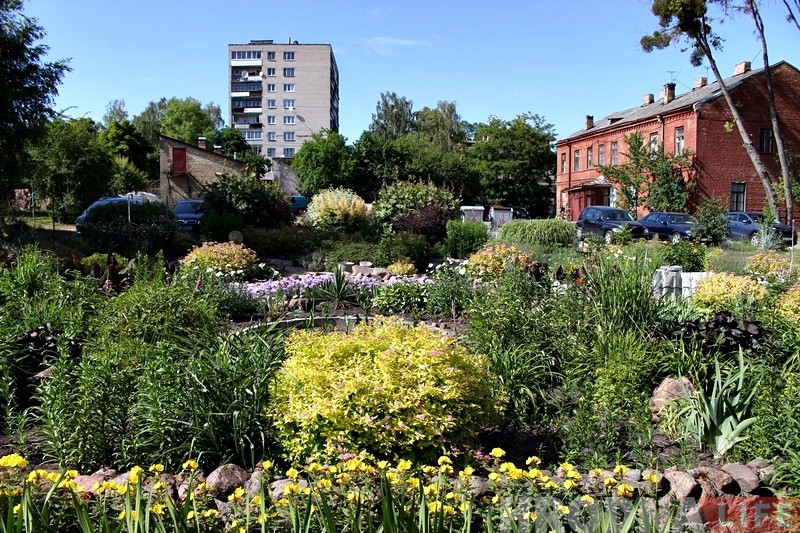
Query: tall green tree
{"x": 71, "y": 167}
{"x": 393, "y": 117}
{"x": 689, "y": 21}
{"x": 27, "y": 90}
{"x": 122, "y": 139}
{"x": 232, "y": 143}
{"x": 516, "y": 160}
{"x": 324, "y": 161}
{"x": 115, "y": 112}
{"x": 378, "y": 164}
{"x": 148, "y": 122}
{"x": 440, "y": 125}
{"x": 187, "y": 119}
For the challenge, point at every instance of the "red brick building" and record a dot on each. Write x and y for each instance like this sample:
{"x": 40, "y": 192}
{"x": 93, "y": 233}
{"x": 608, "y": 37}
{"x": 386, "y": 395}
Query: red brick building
{"x": 698, "y": 121}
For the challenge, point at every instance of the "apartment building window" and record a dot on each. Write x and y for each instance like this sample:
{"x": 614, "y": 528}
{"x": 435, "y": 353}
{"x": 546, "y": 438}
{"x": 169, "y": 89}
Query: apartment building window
{"x": 653, "y": 143}
{"x": 589, "y": 157}
{"x": 271, "y": 119}
{"x": 272, "y": 152}
{"x": 288, "y": 152}
{"x": 738, "y": 192}
{"x": 252, "y": 135}
{"x": 678, "y": 141}
{"x": 288, "y": 103}
{"x": 271, "y": 72}
{"x": 288, "y": 56}
{"x": 272, "y": 104}
{"x": 576, "y": 164}
{"x": 288, "y": 135}
{"x": 270, "y": 56}
{"x": 288, "y": 72}
{"x": 270, "y": 87}
{"x": 563, "y": 162}
{"x": 246, "y": 54}
{"x": 241, "y": 103}
{"x": 601, "y": 154}
{"x": 765, "y": 141}
{"x": 288, "y": 87}
{"x": 614, "y": 153}
{"x": 271, "y": 136}
{"x": 288, "y": 119}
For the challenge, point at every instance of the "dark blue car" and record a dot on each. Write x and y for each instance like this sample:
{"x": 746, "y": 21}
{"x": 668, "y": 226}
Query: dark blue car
{"x": 668, "y": 225}
{"x": 745, "y": 224}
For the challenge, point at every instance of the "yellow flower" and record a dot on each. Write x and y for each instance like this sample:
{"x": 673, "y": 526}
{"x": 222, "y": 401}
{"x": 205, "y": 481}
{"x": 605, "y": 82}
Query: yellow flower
{"x": 383, "y": 465}
{"x": 496, "y": 498}
{"x": 444, "y": 460}
{"x": 497, "y": 453}
{"x": 570, "y": 484}
{"x": 586, "y": 499}
{"x": 353, "y": 496}
{"x": 467, "y": 472}
{"x": 448, "y": 510}
{"x": 621, "y": 470}
{"x": 566, "y": 467}
{"x": 413, "y": 483}
{"x": 134, "y": 475}
{"x": 609, "y": 482}
{"x": 430, "y": 490}
{"x": 446, "y": 469}
{"x": 160, "y": 485}
{"x": 393, "y": 478}
{"x": 292, "y": 473}
{"x": 624, "y": 490}
{"x": 574, "y": 474}
{"x": 533, "y": 460}
{"x": 494, "y": 476}
{"x": 464, "y": 506}
{"x": 191, "y": 464}
{"x": 344, "y": 477}
{"x": 651, "y": 477}
{"x": 210, "y": 513}
{"x": 564, "y": 509}
{"x": 256, "y": 499}
{"x": 190, "y": 515}
{"x": 17, "y": 508}
{"x": 534, "y": 473}
{"x": 266, "y": 465}
{"x": 530, "y": 516}
{"x": 157, "y": 509}
{"x": 238, "y": 494}
{"x": 551, "y": 485}
{"x": 292, "y": 488}
{"x": 72, "y": 474}
{"x": 428, "y": 470}
{"x": 156, "y": 468}
{"x": 434, "y": 507}
{"x": 121, "y": 515}
{"x": 324, "y": 483}
{"x": 597, "y": 472}
{"x": 13, "y": 460}
{"x": 403, "y": 465}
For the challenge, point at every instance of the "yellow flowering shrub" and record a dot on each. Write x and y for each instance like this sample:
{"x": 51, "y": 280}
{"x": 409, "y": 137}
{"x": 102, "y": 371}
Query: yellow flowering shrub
{"x": 725, "y": 292}
{"x": 768, "y": 262}
{"x": 221, "y": 258}
{"x": 402, "y": 267}
{"x": 384, "y": 388}
{"x": 788, "y": 304}
{"x": 340, "y": 209}
{"x": 494, "y": 259}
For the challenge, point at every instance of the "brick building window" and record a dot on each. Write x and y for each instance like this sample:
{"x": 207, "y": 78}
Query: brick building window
{"x": 576, "y": 164}
{"x": 563, "y": 162}
{"x": 271, "y": 71}
{"x": 271, "y": 152}
{"x": 614, "y": 153}
{"x": 601, "y": 154}
{"x": 288, "y": 152}
{"x": 270, "y": 56}
{"x": 653, "y": 143}
{"x": 589, "y": 157}
{"x": 738, "y": 193}
{"x": 270, "y": 87}
{"x": 678, "y": 141}
{"x": 288, "y": 72}
{"x": 765, "y": 141}
{"x": 288, "y": 56}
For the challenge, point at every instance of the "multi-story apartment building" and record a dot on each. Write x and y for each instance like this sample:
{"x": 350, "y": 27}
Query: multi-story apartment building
{"x": 698, "y": 123}
{"x": 281, "y": 93}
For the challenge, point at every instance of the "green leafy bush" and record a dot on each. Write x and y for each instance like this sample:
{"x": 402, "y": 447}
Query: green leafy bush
{"x": 465, "y": 237}
{"x": 403, "y": 198}
{"x": 249, "y": 199}
{"x": 788, "y": 304}
{"x": 710, "y": 223}
{"x": 217, "y": 226}
{"x": 430, "y": 221}
{"x": 451, "y": 293}
{"x": 384, "y": 388}
{"x": 401, "y": 297}
{"x": 728, "y": 292}
{"x": 546, "y": 232}
{"x": 335, "y": 252}
{"x": 398, "y": 246}
{"x": 337, "y": 209}
{"x": 151, "y": 227}
{"x": 288, "y": 242}
{"x": 494, "y": 259}
{"x": 221, "y": 259}
{"x": 690, "y": 256}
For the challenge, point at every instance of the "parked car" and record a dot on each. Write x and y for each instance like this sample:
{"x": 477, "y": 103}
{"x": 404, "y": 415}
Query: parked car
{"x": 519, "y": 212}
{"x": 745, "y": 224}
{"x": 80, "y": 222}
{"x": 667, "y": 225}
{"x": 299, "y": 203}
{"x": 188, "y": 213}
{"x": 606, "y": 221}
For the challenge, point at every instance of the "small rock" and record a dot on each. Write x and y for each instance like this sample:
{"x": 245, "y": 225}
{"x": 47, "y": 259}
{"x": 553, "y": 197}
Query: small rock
{"x": 633, "y": 474}
{"x": 682, "y": 485}
{"x": 478, "y": 487}
{"x": 87, "y": 482}
{"x": 720, "y": 481}
{"x": 226, "y": 478}
{"x": 743, "y": 475}
{"x": 278, "y": 487}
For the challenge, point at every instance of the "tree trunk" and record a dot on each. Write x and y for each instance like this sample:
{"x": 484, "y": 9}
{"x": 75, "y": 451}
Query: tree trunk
{"x": 773, "y": 113}
{"x": 769, "y": 192}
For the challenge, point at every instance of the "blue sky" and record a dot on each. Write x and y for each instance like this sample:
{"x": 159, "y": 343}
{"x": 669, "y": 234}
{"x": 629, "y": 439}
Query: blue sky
{"x": 561, "y": 59}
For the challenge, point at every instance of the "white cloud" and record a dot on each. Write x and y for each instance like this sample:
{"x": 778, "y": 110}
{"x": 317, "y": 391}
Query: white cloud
{"x": 386, "y": 46}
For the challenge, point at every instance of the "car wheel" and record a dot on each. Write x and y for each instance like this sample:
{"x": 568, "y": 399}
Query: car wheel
{"x": 608, "y": 237}
{"x": 754, "y": 240}
{"x": 676, "y": 237}
{"x": 579, "y": 233}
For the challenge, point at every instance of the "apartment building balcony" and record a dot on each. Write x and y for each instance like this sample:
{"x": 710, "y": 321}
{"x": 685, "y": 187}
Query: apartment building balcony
{"x": 246, "y": 62}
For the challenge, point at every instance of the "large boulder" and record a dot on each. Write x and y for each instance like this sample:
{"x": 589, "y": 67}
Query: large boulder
{"x": 668, "y": 391}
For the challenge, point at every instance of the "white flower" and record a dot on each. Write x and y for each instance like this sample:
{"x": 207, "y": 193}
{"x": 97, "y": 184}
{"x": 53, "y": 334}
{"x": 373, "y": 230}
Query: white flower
{"x": 209, "y": 270}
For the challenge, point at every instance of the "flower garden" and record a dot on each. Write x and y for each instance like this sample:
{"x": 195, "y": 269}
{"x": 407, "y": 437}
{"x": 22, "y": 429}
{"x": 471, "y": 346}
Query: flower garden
{"x": 125, "y": 390}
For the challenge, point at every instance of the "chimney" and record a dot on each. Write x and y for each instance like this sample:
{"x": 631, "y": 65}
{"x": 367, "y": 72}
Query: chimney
{"x": 668, "y": 93}
{"x": 589, "y": 122}
{"x": 648, "y": 99}
{"x": 700, "y": 82}
{"x": 741, "y": 68}
{"x": 201, "y": 143}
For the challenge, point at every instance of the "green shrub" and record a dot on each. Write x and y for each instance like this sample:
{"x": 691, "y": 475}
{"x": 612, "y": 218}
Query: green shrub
{"x": 402, "y": 268}
{"x": 337, "y": 209}
{"x": 728, "y": 292}
{"x": 552, "y": 232}
{"x": 217, "y": 227}
{"x": 401, "y": 297}
{"x": 494, "y": 259}
{"x": 788, "y": 304}
{"x": 403, "y": 198}
{"x": 710, "y": 223}
{"x": 385, "y": 389}
{"x": 151, "y": 227}
{"x": 465, "y": 237}
{"x": 335, "y": 252}
{"x": 688, "y": 255}
{"x": 398, "y": 246}
{"x": 227, "y": 259}
{"x": 430, "y": 221}
{"x": 289, "y": 242}
{"x": 451, "y": 293}
{"x": 246, "y": 199}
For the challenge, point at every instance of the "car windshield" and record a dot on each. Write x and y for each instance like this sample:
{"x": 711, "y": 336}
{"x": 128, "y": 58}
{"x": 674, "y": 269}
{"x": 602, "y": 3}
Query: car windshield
{"x": 681, "y": 219}
{"x": 187, "y": 207}
{"x": 617, "y": 215}
{"x": 759, "y": 217}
